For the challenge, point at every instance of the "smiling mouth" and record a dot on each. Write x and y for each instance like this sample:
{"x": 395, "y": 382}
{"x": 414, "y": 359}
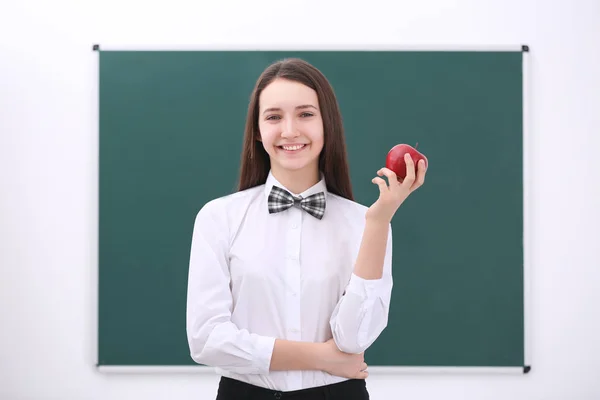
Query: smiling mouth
{"x": 292, "y": 148}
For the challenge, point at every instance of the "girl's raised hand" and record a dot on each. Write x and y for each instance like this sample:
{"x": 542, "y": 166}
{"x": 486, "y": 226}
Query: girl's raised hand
{"x": 393, "y": 195}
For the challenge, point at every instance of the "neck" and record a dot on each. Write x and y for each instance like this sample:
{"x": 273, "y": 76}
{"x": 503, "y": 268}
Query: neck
{"x": 297, "y": 181}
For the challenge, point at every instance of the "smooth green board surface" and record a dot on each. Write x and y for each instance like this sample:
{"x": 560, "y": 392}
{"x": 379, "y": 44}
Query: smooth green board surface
{"x": 171, "y": 126}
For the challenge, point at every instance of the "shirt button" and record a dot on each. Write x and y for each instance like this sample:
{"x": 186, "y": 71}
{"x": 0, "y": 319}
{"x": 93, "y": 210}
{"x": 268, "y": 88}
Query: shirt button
{"x": 294, "y": 226}
{"x": 294, "y": 330}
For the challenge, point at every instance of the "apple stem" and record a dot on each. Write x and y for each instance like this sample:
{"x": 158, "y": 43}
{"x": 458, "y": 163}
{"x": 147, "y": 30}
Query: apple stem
{"x": 417, "y": 145}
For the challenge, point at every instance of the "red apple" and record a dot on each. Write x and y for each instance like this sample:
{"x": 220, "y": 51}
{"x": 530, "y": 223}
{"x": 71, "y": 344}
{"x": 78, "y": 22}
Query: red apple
{"x": 395, "y": 159}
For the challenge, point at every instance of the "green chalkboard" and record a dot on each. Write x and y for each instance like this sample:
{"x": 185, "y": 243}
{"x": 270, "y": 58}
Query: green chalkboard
{"x": 170, "y": 134}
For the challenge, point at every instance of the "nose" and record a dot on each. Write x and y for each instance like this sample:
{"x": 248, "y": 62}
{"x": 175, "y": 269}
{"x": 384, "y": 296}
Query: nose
{"x": 289, "y": 129}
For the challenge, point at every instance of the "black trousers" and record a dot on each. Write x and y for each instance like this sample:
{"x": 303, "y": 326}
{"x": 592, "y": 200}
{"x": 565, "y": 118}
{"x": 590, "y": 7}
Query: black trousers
{"x": 354, "y": 389}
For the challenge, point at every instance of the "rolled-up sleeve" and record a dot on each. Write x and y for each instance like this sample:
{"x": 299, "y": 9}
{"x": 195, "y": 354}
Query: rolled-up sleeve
{"x": 212, "y": 338}
{"x": 362, "y": 313}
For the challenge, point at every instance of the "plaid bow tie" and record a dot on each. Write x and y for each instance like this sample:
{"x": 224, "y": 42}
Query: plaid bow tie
{"x": 280, "y": 200}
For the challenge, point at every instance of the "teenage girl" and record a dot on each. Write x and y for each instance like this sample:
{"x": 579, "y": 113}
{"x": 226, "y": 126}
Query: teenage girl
{"x": 289, "y": 278}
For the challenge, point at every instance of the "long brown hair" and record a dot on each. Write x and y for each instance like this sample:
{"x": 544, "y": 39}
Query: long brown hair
{"x": 255, "y": 162}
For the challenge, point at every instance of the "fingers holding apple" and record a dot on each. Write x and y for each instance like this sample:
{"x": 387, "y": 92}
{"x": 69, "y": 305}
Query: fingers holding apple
{"x": 396, "y": 162}
{"x": 405, "y": 171}
{"x": 421, "y": 171}
{"x": 413, "y": 181}
{"x": 408, "y": 164}
{"x": 410, "y": 177}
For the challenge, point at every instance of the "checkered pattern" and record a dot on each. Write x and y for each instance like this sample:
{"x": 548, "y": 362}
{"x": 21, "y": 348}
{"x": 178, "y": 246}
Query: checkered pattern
{"x": 280, "y": 200}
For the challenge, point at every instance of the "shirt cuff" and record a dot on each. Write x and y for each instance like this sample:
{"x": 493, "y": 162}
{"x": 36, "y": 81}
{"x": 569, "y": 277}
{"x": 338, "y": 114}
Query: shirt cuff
{"x": 263, "y": 353}
{"x": 364, "y": 288}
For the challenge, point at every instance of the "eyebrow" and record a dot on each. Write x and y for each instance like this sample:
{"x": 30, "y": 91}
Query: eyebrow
{"x": 302, "y": 107}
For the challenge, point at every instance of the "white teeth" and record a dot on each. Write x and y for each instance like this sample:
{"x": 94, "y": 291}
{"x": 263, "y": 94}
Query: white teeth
{"x": 292, "y": 148}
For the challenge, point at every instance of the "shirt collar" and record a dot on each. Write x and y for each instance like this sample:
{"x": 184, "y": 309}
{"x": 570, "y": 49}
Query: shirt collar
{"x": 320, "y": 186}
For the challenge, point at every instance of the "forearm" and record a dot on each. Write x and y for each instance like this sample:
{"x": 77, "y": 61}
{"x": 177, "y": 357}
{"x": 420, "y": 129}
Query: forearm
{"x": 371, "y": 255}
{"x": 362, "y": 312}
{"x": 292, "y": 355}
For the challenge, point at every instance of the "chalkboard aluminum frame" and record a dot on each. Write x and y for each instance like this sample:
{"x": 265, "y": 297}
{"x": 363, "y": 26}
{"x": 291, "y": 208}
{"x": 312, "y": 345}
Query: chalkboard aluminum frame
{"x": 378, "y": 370}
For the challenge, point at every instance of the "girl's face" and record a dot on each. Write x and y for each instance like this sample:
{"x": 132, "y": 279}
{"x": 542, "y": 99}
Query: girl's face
{"x": 291, "y": 127}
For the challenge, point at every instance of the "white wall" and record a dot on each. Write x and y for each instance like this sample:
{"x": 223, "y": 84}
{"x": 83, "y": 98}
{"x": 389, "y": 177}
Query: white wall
{"x": 48, "y": 177}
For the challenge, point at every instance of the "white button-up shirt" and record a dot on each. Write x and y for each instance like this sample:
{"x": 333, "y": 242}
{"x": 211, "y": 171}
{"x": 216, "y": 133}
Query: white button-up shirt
{"x": 255, "y": 277}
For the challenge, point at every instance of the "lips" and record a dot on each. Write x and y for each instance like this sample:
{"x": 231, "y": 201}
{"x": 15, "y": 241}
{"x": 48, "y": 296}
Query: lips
{"x": 292, "y": 148}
